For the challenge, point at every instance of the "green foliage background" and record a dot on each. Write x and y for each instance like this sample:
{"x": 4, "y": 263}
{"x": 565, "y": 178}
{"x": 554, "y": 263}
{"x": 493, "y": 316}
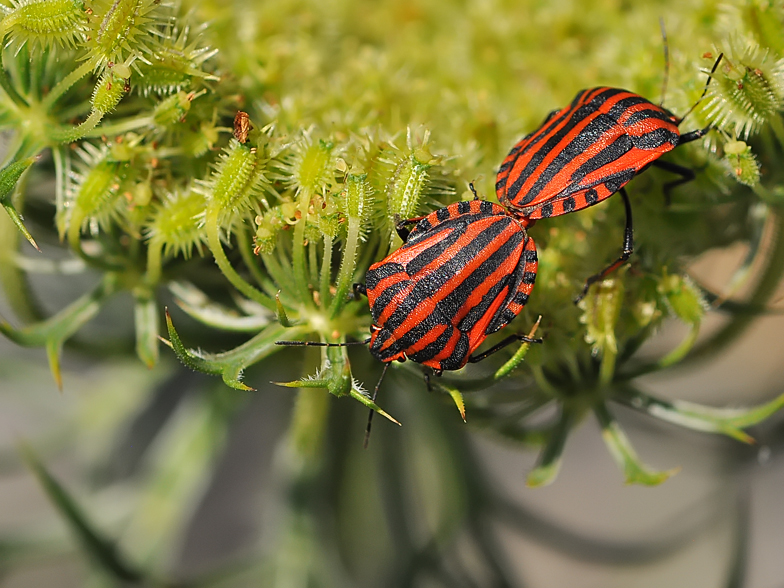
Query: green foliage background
{"x": 359, "y": 112}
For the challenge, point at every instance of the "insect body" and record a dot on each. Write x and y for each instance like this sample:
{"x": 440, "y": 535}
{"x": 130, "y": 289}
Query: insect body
{"x": 464, "y": 272}
{"x": 588, "y": 151}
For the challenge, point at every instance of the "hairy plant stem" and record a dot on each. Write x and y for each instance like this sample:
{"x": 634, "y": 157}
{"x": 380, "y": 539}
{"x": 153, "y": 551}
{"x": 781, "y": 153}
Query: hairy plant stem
{"x": 65, "y": 84}
{"x": 347, "y": 266}
{"x": 298, "y": 251}
{"x": 326, "y": 272}
{"x": 216, "y": 247}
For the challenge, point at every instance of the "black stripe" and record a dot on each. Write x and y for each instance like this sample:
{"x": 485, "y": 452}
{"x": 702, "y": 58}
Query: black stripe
{"x": 442, "y": 214}
{"x": 463, "y": 207}
{"x": 486, "y": 207}
{"x": 459, "y": 355}
{"x": 643, "y": 115}
{"x": 655, "y": 139}
{"x": 574, "y": 149}
{"x": 568, "y": 204}
{"x": 530, "y": 256}
{"x": 591, "y": 197}
{"x": 456, "y": 227}
{"x": 547, "y": 209}
{"x": 456, "y": 300}
{"x": 617, "y": 110}
{"x": 430, "y": 350}
{"x": 478, "y": 311}
{"x": 616, "y": 182}
{"x": 612, "y": 152}
{"x": 521, "y": 298}
{"x": 385, "y": 297}
{"x": 518, "y": 277}
{"x": 385, "y": 270}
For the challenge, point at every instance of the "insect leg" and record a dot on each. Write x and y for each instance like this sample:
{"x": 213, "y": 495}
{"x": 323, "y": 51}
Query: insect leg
{"x": 628, "y": 249}
{"x": 359, "y": 290}
{"x": 373, "y": 398}
{"x": 499, "y": 346}
{"x": 687, "y": 175}
{"x": 401, "y": 226}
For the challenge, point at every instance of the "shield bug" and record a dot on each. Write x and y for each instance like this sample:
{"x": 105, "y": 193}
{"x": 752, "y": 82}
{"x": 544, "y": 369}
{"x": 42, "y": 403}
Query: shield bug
{"x": 588, "y": 151}
{"x": 464, "y": 272}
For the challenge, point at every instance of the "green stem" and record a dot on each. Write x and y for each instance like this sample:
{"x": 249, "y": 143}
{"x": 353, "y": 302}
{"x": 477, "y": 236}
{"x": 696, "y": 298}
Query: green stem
{"x": 298, "y": 251}
{"x": 119, "y": 127}
{"x": 347, "y": 266}
{"x": 216, "y": 247}
{"x": 607, "y": 367}
{"x": 71, "y": 134}
{"x": 154, "y": 261}
{"x": 5, "y": 82}
{"x": 681, "y": 350}
{"x": 326, "y": 272}
{"x": 251, "y": 261}
{"x": 65, "y": 84}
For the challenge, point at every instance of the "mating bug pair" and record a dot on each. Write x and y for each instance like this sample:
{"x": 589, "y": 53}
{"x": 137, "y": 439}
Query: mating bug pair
{"x": 467, "y": 270}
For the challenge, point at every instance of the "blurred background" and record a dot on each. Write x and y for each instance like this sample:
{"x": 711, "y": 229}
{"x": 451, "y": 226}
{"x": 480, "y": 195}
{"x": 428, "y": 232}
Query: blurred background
{"x": 168, "y": 477}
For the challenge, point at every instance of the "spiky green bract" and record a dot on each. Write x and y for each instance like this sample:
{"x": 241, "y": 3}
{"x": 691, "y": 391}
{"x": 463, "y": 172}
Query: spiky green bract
{"x": 109, "y": 91}
{"x": 44, "y": 23}
{"x": 175, "y": 60}
{"x": 95, "y": 197}
{"x": 121, "y": 29}
{"x": 237, "y": 182}
{"x": 741, "y": 163}
{"x": 748, "y": 90}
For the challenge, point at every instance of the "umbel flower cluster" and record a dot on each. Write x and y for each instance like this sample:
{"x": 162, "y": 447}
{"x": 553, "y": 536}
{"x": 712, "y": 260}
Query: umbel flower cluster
{"x": 261, "y": 226}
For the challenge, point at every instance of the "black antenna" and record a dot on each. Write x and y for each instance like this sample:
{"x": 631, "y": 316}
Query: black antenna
{"x": 320, "y": 344}
{"x": 666, "y": 60}
{"x": 705, "y": 91}
{"x": 370, "y": 415}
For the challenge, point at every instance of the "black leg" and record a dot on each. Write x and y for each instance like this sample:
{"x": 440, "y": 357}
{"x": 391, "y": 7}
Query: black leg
{"x": 508, "y": 341}
{"x": 687, "y": 175}
{"x": 359, "y": 290}
{"x": 693, "y": 135}
{"x": 628, "y": 249}
{"x": 401, "y": 226}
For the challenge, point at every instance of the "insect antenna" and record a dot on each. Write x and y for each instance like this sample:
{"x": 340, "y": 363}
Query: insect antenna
{"x": 370, "y": 414}
{"x": 320, "y": 344}
{"x": 666, "y": 60}
{"x": 705, "y": 90}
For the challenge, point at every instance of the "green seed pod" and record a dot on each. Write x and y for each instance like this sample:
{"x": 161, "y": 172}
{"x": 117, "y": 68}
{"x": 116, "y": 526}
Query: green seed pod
{"x": 121, "y": 28}
{"x": 357, "y": 197}
{"x": 238, "y": 179}
{"x": 313, "y": 167}
{"x": 741, "y": 163}
{"x": 405, "y": 187}
{"x": 99, "y": 191}
{"x": 748, "y": 89}
{"x": 44, "y": 22}
{"x": 200, "y": 142}
{"x": 267, "y": 230}
{"x": 176, "y": 223}
{"x": 174, "y": 63}
{"x": 108, "y": 92}
{"x": 172, "y": 110}
{"x": 602, "y": 307}
{"x": 683, "y": 297}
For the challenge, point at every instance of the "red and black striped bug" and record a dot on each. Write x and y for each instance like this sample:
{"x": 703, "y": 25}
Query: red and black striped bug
{"x": 464, "y": 272}
{"x": 588, "y": 151}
